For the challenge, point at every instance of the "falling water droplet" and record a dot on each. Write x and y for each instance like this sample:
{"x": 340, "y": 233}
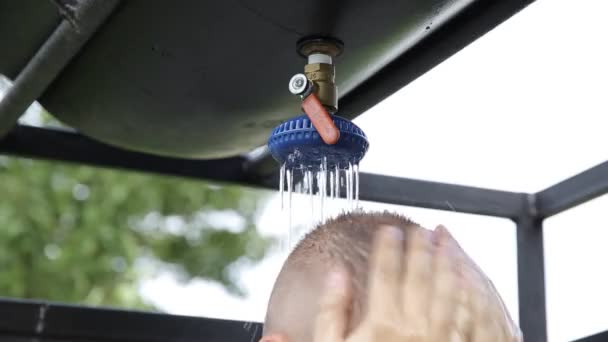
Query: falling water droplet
{"x": 305, "y": 182}
{"x": 323, "y": 186}
{"x": 337, "y": 182}
{"x": 356, "y": 186}
{"x": 314, "y": 183}
{"x": 281, "y": 183}
{"x": 310, "y": 191}
{"x": 349, "y": 191}
{"x": 289, "y": 192}
{"x": 332, "y": 193}
{"x": 319, "y": 194}
{"x": 349, "y": 186}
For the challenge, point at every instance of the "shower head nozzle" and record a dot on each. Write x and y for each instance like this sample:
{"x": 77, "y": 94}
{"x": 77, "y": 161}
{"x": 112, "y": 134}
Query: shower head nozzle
{"x": 296, "y": 143}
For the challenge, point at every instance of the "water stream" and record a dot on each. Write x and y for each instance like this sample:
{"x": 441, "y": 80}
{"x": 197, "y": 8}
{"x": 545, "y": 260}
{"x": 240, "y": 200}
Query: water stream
{"x": 315, "y": 182}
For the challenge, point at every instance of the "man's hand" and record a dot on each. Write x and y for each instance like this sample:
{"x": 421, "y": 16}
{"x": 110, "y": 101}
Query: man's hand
{"x": 431, "y": 293}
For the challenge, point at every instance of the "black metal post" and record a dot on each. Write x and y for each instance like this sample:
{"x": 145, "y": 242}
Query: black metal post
{"x": 531, "y": 274}
{"x": 51, "y": 58}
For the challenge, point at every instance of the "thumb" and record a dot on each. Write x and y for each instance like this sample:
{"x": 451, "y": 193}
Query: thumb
{"x": 332, "y": 319}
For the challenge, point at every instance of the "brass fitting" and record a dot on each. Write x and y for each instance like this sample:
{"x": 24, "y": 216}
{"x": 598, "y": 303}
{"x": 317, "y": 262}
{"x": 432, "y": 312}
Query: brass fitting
{"x": 320, "y": 69}
{"x": 323, "y": 78}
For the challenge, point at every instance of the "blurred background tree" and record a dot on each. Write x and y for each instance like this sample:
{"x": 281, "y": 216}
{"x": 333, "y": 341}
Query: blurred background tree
{"x": 88, "y": 235}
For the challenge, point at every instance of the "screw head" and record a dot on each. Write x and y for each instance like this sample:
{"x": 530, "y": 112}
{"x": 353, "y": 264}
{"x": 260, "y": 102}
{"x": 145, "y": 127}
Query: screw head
{"x": 298, "y": 84}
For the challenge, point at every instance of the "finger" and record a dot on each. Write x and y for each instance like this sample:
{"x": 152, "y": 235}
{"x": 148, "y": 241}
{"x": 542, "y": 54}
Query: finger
{"x": 385, "y": 274}
{"x": 488, "y": 323}
{"x": 468, "y": 269}
{"x": 418, "y": 275}
{"x": 331, "y": 321}
{"x": 489, "y": 330}
{"x": 502, "y": 307}
{"x": 445, "y": 234}
{"x": 480, "y": 314}
{"x": 502, "y": 324}
{"x": 463, "y": 323}
{"x": 495, "y": 308}
{"x": 447, "y": 292}
{"x": 463, "y": 318}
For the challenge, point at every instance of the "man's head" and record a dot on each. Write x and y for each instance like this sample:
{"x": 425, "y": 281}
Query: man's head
{"x": 346, "y": 241}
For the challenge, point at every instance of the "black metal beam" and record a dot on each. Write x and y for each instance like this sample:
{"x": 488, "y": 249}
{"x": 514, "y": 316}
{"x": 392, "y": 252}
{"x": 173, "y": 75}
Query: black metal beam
{"x": 52, "y": 322}
{"x": 600, "y": 337}
{"x": 62, "y": 145}
{"x": 531, "y": 273}
{"x": 68, "y": 146}
{"x": 51, "y": 58}
{"x": 473, "y": 22}
{"x": 433, "y": 195}
{"x": 581, "y": 188}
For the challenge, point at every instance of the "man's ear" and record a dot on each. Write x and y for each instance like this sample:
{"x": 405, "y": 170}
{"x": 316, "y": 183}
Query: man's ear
{"x": 274, "y": 338}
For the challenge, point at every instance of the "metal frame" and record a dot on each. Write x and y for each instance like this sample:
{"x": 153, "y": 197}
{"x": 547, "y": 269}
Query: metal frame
{"x": 528, "y": 211}
{"x": 23, "y": 320}
{"x": 601, "y": 337}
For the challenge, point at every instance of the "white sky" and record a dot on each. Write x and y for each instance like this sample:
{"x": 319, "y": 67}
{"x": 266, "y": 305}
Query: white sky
{"x": 520, "y": 109}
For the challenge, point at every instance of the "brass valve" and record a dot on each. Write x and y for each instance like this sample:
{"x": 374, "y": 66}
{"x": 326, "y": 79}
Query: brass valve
{"x": 317, "y": 86}
{"x": 323, "y": 78}
{"x": 320, "y": 69}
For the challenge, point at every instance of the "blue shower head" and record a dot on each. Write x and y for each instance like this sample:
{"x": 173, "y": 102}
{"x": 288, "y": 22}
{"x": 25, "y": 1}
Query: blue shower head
{"x": 297, "y": 143}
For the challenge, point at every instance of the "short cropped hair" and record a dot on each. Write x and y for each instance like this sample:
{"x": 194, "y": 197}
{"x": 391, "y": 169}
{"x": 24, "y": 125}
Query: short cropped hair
{"x": 347, "y": 241}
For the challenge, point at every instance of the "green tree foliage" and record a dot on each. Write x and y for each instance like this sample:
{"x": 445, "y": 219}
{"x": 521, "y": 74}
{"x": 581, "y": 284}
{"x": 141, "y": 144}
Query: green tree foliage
{"x": 87, "y": 235}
